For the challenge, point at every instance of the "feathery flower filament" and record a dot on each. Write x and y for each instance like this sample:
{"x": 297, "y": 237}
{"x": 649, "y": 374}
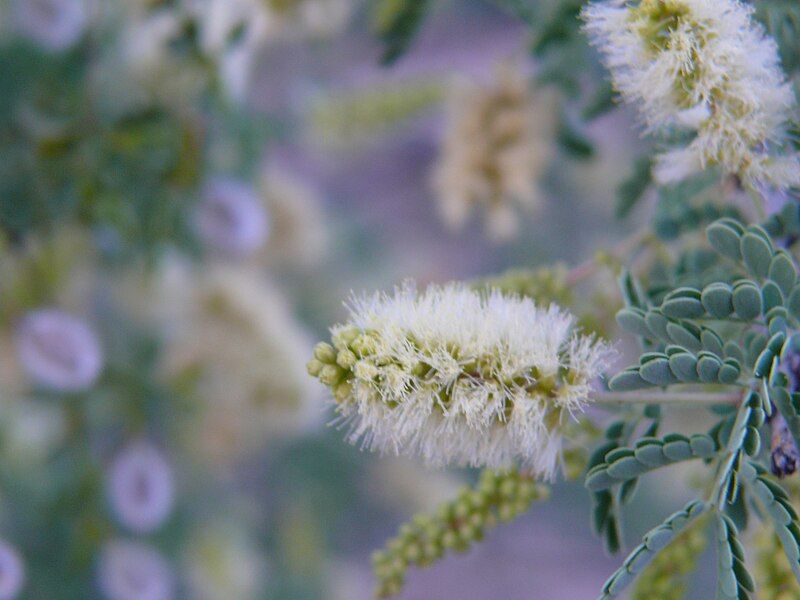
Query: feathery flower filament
{"x": 705, "y": 66}
{"x": 457, "y": 376}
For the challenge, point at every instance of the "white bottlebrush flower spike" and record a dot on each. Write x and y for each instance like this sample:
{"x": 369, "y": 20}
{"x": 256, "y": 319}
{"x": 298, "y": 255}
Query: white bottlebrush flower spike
{"x": 58, "y": 350}
{"x": 54, "y": 25}
{"x": 141, "y": 487}
{"x": 705, "y": 66}
{"x": 458, "y": 376}
{"x": 231, "y": 328}
{"x": 134, "y": 571}
{"x": 497, "y": 145}
{"x": 12, "y": 572}
{"x": 231, "y": 218}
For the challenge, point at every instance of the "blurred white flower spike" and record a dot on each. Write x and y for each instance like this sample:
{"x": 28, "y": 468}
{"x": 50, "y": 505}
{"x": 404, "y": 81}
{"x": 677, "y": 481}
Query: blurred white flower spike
{"x": 12, "y": 572}
{"x": 459, "y": 377}
{"x": 54, "y": 25}
{"x": 134, "y": 571}
{"x": 236, "y": 331}
{"x": 497, "y": 145}
{"x": 231, "y": 218}
{"x": 59, "y": 351}
{"x": 705, "y": 66}
{"x": 141, "y": 487}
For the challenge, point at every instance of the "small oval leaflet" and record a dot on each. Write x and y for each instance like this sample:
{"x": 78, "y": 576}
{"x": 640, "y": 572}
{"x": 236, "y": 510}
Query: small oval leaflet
{"x": 725, "y": 239}
{"x": 756, "y": 254}
{"x": 747, "y": 300}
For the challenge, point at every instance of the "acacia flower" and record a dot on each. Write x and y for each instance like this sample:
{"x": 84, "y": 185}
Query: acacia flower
{"x": 231, "y": 218}
{"x": 59, "y": 351}
{"x": 12, "y": 572}
{"x": 54, "y": 25}
{"x": 141, "y": 487}
{"x": 457, "y": 376}
{"x": 496, "y": 147}
{"x": 707, "y": 67}
{"x": 134, "y": 571}
{"x": 232, "y": 330}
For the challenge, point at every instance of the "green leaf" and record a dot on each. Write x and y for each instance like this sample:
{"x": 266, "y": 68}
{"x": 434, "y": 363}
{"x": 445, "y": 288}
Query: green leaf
{"x": 682, "y": 335}
{"x": 684, "y": 366}
{"x": 708, "y": 367}
{"x": 397, "y": 23}
{"x": 573, "y": 141}
{"x": 657, "y": 323}
{"x": 628, "y": 380}
{"x": 632, "y": 320}
{"x": 771, "y": 296}
{"x": 747, "y": 300}
{"x": 793, "y": 302}
{"x": 756, "y": 254}
{"x": 654, "y": 541}
{"x": 783, "y": 271}
{"x": 631, "y": 190}
{"x": 657, "y": 372}
{"x": 733, "y": 580}
{"x": 788, "y": 407}
{"x": 724, "y": 236}
{"x": 647, "y": 455}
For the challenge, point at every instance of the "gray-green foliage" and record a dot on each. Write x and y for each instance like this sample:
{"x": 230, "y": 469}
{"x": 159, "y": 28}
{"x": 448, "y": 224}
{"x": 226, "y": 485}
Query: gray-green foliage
{"x": 777, "y": 505}
{"x": 654, "y": 541}
{"x": 649, "y": 453}
{"x": 733, "y": 580}
{"x": 736, "y": 331}
{"x": 682, "y": 332}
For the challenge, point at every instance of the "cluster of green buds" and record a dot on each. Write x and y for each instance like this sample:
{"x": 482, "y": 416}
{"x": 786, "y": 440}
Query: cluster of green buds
{"x": 543, "y": 285}
{"x": 455, "y": 525}
{"x": 665, "y": 577}
{"x": 333, "y": 364}
{"x": 352, "y": 117}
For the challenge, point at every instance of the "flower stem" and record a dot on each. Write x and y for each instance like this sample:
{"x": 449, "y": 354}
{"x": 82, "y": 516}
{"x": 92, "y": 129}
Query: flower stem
{"x": 697, "y": 398}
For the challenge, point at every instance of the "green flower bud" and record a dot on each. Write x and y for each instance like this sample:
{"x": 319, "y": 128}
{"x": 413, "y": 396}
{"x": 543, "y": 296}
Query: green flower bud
{"x": 325, "y": 353}
{"x": 314, "y": 366}
{"x": 331, "y": 374}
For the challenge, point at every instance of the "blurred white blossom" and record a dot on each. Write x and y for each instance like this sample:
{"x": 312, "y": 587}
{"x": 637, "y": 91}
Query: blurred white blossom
{"x": 59, "y": 351}
{"x": 12, "y": 572}
{"x": 454, "y": 376}
{"x": 223, "y": 562}
{"x": 55, "y": 25}
{"x": 234, "y": 331}
{"x": 31, "y": 431}
{"x": 231, "y": 218}
{"x": 141, "y": 487}
{"x": 227, "y": 22}
{"x": 134, "y": 571}
{"x": 705, "y": 66}
{"x": 146, "y": 58}
{"x": 233, "y": 32}
{"x": 498, "y": 142}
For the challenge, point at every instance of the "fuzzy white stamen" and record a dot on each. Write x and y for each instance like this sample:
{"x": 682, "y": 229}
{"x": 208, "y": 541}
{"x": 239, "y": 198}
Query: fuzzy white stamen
{"x": 706, "y": 65}
{"x": 456, "y": 376}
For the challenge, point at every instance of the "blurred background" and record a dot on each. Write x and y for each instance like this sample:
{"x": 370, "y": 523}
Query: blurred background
{"x": 189, "y": 191}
